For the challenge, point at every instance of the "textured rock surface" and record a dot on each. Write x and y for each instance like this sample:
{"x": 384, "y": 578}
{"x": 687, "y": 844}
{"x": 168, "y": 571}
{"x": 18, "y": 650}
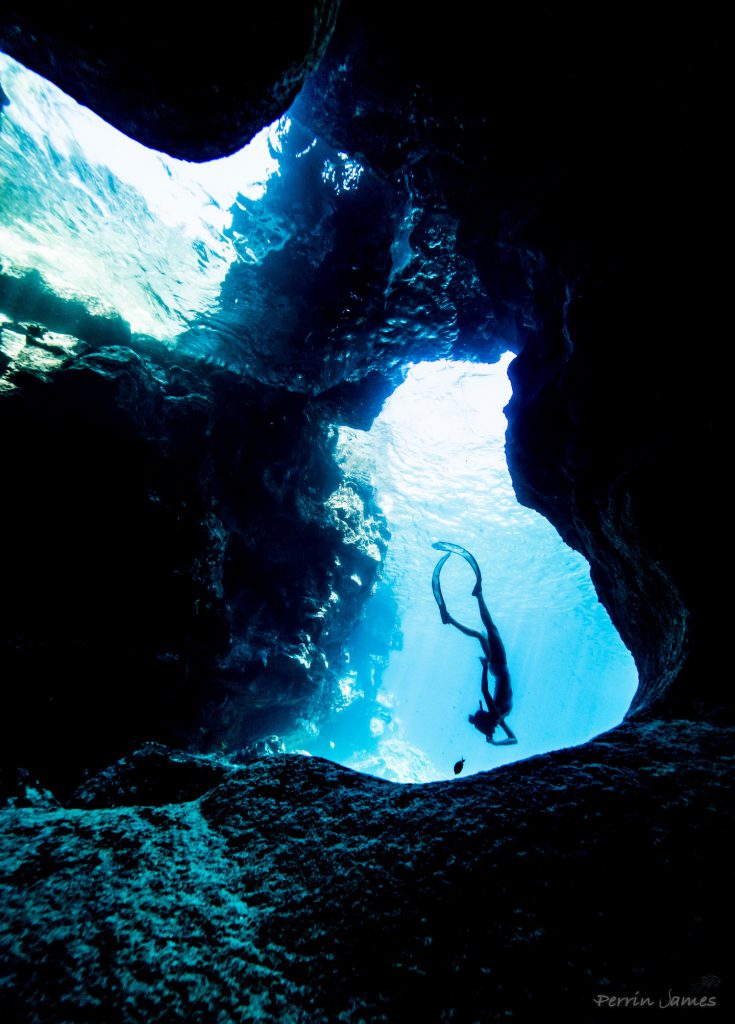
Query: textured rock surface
{"x": 195, "y": 87}
{"x": 192, "y": 481}
{"x": 156, "y": 587}
{"x": 18, "y": 788}
{"x": 300, "y": 891}
{"x": 151, "y": 777}
{"x": 364, "y": 276}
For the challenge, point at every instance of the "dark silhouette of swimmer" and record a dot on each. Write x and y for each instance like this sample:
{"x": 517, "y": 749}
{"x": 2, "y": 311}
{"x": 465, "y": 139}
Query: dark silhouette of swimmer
{"x": 494, "y": 657}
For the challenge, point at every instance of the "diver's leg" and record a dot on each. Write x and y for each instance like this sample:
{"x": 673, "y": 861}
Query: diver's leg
{"x": 448, "y": 619}
{"x": 498, "y": 657}
{"x": 487, "y": 619}
{"x": 503, "y": 690}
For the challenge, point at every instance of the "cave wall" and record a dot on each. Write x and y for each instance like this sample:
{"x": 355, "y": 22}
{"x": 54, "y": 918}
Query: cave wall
{"x": 580, "y": 154}
{"x": 184, "y": 553}
{"x": 193, "y": 478}
{"x": 297, "y": 890}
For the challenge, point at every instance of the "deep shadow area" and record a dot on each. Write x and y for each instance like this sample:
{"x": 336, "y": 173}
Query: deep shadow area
{"x": 154, "y": 589}
{"x": 194, "y": 87}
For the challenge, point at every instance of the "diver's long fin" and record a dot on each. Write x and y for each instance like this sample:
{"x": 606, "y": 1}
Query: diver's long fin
{"x": 457, "y": 549}
{"x": 436, "y": 587}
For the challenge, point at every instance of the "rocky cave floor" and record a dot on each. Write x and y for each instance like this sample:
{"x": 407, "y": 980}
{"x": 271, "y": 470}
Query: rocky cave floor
{"x": 181, "y": 887}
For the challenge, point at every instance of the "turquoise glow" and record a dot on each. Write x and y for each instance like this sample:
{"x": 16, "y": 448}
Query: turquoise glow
{"x": 436, "y": 456}
{"x": 105, "y": 220}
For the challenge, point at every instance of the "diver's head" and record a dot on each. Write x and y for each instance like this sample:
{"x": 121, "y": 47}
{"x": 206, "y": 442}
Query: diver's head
{"x": 484, "y": 722}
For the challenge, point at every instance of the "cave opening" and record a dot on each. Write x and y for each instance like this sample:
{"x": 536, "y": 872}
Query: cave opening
{"x": 124, "y": 229}
{"x": 259, "y": 264}
{"x": 436, "y": 458}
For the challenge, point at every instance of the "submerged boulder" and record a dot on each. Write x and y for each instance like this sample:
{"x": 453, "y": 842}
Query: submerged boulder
{"x": 19, "y": 788}
{"x": 267, "y": 746}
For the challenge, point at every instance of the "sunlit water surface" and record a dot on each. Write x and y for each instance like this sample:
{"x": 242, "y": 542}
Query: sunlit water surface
{"x": 105, "y": 220}
{"x": 436, "y": 456}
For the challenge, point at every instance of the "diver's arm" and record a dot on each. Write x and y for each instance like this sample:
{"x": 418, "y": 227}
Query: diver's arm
{"x": 493, "y": 708}
{"x": 508, "y": 732}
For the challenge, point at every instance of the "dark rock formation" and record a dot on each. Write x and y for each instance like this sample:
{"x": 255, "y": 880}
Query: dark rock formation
{"x": 195, "y": 86}
{"x": 300, "y": 891}
{"x": 157, "y": 586}
{"x": 192, "y": 480}
{"x": 267, "y": 746}
{"x": 151, "y": 777}
{"x": 365, "y": 277}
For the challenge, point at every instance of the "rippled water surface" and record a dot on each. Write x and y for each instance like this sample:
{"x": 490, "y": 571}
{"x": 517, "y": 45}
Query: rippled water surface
{"x": 436, "y": 455}
{"x": 105, "y": 220}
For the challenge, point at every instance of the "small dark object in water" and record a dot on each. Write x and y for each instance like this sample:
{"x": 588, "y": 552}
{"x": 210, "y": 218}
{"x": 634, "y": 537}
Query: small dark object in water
{"x": 459, "y": 766}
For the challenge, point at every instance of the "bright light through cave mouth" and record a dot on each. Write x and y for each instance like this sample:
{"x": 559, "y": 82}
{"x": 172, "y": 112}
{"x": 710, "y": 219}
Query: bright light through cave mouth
{"x": 436, "y": 456}
{"x": 103, "y": 219}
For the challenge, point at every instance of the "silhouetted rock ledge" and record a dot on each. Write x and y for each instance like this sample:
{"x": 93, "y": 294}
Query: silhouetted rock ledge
{"x": 153, "y": 775}
{"x": 298, "y": 890}
{"x": 196, "y": 87}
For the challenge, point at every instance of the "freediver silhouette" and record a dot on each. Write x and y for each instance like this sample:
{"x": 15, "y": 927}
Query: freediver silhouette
{"x": 493, "y": 659}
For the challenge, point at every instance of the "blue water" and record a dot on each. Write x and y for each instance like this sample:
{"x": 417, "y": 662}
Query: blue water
{"x": 436, "y": 457}
{"x": 105, "y": 220}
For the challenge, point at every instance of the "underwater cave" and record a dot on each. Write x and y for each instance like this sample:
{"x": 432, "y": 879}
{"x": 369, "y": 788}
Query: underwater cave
{"x": 436, "y": 458}
{"x": 269, "y": 330}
